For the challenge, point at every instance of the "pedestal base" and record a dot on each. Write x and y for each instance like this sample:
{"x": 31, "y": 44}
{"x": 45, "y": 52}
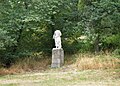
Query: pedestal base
{"x": 57, "y": 57}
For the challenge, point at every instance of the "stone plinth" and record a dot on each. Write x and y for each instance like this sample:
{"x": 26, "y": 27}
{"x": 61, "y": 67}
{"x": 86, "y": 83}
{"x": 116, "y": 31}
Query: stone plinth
{"x": 57, "y": 57}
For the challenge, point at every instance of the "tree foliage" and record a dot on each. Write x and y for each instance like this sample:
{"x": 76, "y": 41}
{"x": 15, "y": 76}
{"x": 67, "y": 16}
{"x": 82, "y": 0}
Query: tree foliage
{"x": 101, "y": 19}
{"x": 27, "y": 26}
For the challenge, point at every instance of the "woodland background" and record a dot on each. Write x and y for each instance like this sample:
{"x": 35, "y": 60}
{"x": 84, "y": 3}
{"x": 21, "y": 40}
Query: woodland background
{"x": 27, "y": 27}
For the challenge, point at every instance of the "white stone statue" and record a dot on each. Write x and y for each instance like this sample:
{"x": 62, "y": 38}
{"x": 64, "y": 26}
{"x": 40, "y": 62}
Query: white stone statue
{"x": 57, "y": 38}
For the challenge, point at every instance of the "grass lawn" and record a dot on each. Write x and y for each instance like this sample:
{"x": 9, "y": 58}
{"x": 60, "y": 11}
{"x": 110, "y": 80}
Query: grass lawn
{"x": 57, "y": 77}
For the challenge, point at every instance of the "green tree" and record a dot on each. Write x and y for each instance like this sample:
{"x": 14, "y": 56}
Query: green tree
{"x": 30, "y": 25}
{"x": 100, "y": 18}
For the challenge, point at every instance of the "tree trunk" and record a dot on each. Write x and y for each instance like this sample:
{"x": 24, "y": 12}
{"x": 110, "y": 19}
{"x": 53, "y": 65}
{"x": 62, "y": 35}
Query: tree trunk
{"x": 53, "y": 29}
{"x": 20, "y": 32}
{"x": 96, "y": 44}
{"x": 18, "y": 41}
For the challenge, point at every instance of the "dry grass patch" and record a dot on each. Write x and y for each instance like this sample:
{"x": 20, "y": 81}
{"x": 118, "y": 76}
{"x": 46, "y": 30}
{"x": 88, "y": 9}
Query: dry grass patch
{"x": 30, "y": 64}
{"x": 84, "y": 62}
{"x": 27, "y": 65}
{"x": 72, "y": 63}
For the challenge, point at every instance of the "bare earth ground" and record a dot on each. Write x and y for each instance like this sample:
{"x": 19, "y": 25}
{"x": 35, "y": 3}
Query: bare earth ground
{"x": 64, "y": 77}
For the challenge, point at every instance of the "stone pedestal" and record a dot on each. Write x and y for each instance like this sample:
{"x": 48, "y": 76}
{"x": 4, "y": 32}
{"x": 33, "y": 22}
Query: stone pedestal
{"x": 57, "y": 57}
